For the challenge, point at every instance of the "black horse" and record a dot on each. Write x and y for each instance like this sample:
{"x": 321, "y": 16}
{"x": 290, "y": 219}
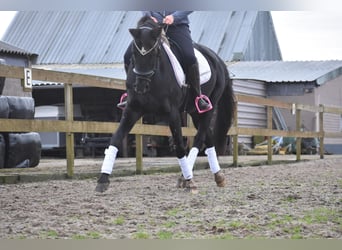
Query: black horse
{"x": 153, "y": 89}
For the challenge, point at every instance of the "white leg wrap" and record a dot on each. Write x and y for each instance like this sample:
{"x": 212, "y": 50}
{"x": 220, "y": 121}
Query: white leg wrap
{"x": 192, "y": 157}
{"x": 212, "y": 159}
{"x": 186, "y": 170}
{"x": 108, "y": 162}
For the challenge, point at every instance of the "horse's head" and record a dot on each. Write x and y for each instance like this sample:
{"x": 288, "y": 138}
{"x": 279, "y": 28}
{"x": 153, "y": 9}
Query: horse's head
{"x": 146, "y": 46}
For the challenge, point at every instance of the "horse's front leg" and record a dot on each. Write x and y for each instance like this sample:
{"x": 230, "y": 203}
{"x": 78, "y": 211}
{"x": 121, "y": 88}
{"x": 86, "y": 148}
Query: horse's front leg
{"x": 127, "y": 122}
{"x": 202, "y": 122}
{"x": 176, "y": 130}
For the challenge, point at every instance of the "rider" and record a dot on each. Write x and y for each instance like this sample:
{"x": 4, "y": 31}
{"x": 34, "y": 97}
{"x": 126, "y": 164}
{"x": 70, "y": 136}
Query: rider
{"x": 179, "y": 32}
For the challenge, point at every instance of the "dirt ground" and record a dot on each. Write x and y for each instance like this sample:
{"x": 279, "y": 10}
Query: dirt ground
{"x": 297, "y": 200}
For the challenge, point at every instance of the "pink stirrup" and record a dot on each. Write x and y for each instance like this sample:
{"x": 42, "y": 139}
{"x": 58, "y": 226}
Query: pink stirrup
{"x": 122, "y": 98}
{"x": 207, "y": 99}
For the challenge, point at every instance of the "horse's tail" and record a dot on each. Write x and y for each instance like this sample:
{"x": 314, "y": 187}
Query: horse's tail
{"x": 224, "y": 116}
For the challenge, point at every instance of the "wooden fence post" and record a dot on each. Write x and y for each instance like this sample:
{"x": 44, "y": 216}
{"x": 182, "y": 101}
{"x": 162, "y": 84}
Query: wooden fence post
{"x": 235, "y": 137}
{"x": 321, "y": 131}
{"x": 269, "y": 138}
{"x": 139, "y": 151}
{"x": 190, "y": 139}
{"x": 69, "y": 137}
{"x": 298, "y": 139}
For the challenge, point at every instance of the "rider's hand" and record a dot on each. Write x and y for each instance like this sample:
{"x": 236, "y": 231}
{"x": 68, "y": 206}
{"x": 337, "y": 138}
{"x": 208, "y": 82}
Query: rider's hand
{"x": 168, "y": 20}
{"x": 154, "y": 19}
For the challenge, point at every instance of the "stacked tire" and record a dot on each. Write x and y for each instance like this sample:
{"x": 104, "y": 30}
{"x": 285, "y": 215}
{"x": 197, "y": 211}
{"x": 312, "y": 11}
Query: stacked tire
{"x": 18, "y": 150}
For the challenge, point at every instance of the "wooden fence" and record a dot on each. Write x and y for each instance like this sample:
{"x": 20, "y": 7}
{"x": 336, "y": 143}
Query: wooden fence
{"x": 69, "y": 126}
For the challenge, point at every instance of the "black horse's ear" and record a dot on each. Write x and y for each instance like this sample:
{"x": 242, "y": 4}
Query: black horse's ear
{"x": 156, "y": 32}
{"x": 135, "y": 32}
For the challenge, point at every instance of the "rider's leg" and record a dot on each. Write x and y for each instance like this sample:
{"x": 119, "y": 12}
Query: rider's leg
{"x": 127, "y": 59}
{"x": 202, "y": 102}
{"x": 181, "y": 35}
{"x": 123, "y": 100}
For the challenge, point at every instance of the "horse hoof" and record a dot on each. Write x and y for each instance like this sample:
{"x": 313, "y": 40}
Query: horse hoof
{"x": 180, "y": 182}
{"x": 102, "y": 183}
{"x": 190, "y": 187}
{"x": 101, "y": 187}
{"x": 220, "y": 179}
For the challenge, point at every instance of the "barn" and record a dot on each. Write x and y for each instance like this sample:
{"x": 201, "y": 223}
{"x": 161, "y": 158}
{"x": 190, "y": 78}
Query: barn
{"x": 93, "y": 42}
{"x": 305, "y": 82}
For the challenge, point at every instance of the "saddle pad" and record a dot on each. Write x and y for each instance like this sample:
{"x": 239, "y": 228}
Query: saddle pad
{"x": 204, "y": 68}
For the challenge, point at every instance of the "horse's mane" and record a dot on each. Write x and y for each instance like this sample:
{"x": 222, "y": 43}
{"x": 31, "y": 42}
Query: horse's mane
{"x": 147, "y": 21}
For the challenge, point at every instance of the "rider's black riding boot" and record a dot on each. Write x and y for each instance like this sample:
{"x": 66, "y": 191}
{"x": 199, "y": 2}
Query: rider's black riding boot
{"x": 123, "y": 99}
{"x": 202, "y": 102}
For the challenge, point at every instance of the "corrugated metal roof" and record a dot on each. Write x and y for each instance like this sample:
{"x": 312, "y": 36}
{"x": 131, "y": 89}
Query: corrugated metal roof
{"x": 10, "y": 49}
{"x": 280, "y": 71}
{"x": 266, "y": 71}
{"x": 101, "y": 37}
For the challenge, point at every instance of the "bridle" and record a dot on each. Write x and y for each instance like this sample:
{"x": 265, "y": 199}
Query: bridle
{"x": 142, "y": 51}
{"x": 146, "y": 75}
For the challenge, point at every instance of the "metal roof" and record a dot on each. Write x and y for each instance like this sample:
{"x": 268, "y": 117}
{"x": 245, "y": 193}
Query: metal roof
{"x": 101, "y": 37}
{"x": 10, "y": 49}
{"x": 282, "y": 71}
{"x": 266, "y": 71}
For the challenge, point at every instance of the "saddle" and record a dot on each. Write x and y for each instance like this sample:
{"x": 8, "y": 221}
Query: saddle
{"x": 204, "y": 68}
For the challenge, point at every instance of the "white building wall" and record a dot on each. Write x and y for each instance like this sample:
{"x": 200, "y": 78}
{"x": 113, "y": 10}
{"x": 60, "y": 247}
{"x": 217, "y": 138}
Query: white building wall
{"x": 330, "y": 94}
{"x": 250, "y": 115}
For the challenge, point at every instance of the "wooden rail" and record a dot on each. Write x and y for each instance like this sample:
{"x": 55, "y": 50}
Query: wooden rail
{"x": 69, "y": 126}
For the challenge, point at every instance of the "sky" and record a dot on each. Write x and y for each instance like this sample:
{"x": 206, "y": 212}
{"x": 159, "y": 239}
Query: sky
{"x": 309, "y": 35}
{"x": 302, "y": 35}
{"x": 5, "y": 20}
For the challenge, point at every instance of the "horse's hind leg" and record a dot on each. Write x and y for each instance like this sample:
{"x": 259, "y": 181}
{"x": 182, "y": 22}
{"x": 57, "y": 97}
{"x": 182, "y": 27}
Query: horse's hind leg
{"x": 213, "y": 160}
{"x": 215, "y": 167}
{"x": 128, "y": 120}
{"x": 207, "y": 137}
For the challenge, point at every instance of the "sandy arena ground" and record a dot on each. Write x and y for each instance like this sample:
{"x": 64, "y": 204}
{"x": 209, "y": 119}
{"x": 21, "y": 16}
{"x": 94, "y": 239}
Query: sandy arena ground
{"x": 297, "y": 200}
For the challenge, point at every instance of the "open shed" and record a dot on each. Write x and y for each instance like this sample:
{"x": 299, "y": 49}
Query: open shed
{"x": 306, "y": 82}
